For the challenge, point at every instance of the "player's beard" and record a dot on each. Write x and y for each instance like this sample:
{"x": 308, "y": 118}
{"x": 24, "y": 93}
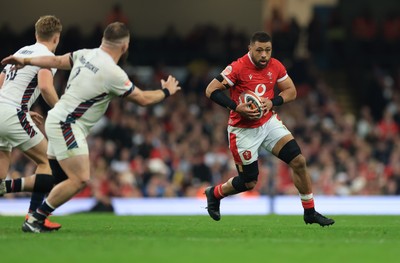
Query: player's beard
{"x": 258, "y": 63}
{"x": 261, "y": 65}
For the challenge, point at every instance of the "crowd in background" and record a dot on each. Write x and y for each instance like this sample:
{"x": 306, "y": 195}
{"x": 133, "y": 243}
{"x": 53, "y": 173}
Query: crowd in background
{"x": 178, "y": 147}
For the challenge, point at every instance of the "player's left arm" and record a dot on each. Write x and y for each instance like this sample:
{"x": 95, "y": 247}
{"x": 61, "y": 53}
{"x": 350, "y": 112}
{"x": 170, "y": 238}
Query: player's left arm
{"x": 288, "y": 90}
{"x": 287, "y": 94}
{"x": 148, "y": 97}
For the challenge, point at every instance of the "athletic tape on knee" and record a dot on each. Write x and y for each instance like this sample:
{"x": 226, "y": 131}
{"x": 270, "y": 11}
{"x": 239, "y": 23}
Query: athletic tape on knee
{"x": 248, "y": 173}
{"x": 43, "y": 183}
{"x": 239, "y": 184}
{"x": 289, "y": 151}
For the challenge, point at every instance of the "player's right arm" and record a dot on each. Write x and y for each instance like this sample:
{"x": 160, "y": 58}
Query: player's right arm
{"x": 216, "y": 92}
{"x": 46, "y": 86}
{"x": 59, "y": 62}
{"x": 2, "y": 78}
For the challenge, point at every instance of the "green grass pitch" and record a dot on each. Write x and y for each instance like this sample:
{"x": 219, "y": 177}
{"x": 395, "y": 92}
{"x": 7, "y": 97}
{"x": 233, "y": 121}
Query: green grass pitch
{"x": 273, "y": 238}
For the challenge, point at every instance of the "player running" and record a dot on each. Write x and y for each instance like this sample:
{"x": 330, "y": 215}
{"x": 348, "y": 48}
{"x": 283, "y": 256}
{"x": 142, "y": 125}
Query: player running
{"x": 19, "y": 89}
{"x": 258, "y": 72}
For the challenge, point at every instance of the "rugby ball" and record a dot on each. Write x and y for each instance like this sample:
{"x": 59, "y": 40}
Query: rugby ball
{"x": 249, "y": 96}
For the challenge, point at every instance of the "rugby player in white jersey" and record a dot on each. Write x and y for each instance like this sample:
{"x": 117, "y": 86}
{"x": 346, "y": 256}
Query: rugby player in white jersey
{"x": 19, "y": 89}
{"x": 94, "y": 80}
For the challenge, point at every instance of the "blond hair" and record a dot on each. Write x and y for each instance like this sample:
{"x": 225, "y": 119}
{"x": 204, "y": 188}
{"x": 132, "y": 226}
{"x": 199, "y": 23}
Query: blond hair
{"x": 47, "y": 26}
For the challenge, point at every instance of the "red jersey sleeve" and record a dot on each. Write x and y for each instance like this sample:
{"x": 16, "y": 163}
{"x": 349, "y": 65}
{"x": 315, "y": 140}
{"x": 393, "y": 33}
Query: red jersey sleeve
{"x": 231, "y": 73}
{"x": 282, "y": 73}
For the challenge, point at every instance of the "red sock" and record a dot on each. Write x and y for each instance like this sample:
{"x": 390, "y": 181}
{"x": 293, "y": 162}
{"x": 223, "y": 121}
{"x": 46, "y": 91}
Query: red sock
{"x": 218, "y": 192}
{"x": 307, "y": 201}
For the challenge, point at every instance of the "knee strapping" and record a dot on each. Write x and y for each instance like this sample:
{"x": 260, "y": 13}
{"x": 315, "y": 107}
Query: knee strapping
{"x": 289, "y": 151}
{"x": 247, "y": 174}
{"x": 239, "y": 184}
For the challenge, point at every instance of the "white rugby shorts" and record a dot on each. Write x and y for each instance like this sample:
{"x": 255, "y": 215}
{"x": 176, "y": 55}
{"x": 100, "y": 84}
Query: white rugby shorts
{"x": 66, "y": 140}
{"x": 245, "y": 143}
{"x": 17, "y": 130}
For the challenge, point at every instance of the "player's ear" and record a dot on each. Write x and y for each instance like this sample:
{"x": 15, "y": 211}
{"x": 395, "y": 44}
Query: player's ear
{"x": 124, "y": 48}
{"x": 56, "y": 39}
{"x": 250, "y": 45}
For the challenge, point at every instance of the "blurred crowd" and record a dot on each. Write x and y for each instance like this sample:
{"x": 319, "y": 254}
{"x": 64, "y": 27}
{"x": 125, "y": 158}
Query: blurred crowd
{"x": 178, "y": 147}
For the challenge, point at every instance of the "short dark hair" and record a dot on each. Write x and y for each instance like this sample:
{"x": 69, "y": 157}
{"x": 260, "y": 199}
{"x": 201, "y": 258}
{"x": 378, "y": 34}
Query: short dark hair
{"x": 260, "y": 36}
{"x": 116, "y": 31}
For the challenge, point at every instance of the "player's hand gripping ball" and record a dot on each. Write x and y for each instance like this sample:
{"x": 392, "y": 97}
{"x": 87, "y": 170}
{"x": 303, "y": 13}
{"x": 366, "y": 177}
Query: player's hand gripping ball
{"x": 249, "y": 96}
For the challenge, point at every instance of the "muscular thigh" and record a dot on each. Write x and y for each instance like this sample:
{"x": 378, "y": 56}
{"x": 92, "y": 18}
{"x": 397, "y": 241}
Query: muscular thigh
{"x": 39, "y": 156}
{"x": 76, "y": 167}
{"x": 5, "y": 159}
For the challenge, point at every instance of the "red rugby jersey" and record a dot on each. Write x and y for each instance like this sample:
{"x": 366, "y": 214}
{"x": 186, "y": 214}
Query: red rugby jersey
{"x": 243, "y": 75}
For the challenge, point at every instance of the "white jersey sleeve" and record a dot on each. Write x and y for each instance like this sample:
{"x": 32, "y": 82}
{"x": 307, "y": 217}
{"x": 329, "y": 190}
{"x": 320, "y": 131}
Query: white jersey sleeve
{"x": 120, "y": 85}
{"x": 20, "y": 86}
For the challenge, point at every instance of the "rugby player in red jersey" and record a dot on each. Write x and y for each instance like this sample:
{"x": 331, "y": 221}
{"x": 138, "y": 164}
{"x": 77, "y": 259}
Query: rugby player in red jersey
{"x": 258, "y": 72}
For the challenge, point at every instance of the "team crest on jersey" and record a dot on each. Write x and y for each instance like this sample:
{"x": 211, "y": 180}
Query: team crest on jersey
{"x": 246, "y": 155}
{"x": 227, "y": 70}
{"x": 269, "y": 74}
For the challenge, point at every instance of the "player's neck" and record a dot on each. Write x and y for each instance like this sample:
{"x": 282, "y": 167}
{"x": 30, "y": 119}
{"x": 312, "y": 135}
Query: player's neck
{"x": 115, "y": 55}
{"x": 50, "y": 46}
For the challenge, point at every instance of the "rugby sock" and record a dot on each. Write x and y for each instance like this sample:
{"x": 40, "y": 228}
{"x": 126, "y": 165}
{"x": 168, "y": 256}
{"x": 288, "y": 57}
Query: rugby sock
{"x": 14, "y": 186}
{"x": 43, "y": 183}
{"x": 43, "y": 211}
{"x": 307, "y": 202}
{"x": 36, "y": 201}
{"x": 218, "y": 192}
